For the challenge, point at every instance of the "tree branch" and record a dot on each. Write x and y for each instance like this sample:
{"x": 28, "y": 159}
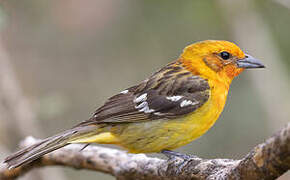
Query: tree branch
{"x": 268, "y": 160}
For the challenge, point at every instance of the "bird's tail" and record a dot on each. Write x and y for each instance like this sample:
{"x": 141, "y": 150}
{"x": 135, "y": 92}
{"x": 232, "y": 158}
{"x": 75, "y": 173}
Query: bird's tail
{"x": 47, "y": 145}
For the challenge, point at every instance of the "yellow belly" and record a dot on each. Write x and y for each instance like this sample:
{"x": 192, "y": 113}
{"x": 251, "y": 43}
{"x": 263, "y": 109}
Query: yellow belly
{"x": 156, "y": 135}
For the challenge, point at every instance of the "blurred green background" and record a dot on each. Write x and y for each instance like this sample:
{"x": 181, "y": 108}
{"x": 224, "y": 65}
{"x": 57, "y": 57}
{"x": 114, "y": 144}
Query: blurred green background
{"x": 64, "y": 58}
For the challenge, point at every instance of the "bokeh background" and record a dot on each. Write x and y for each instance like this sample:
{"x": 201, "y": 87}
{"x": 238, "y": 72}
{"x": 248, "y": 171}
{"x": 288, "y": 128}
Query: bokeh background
{"x": 60, "y": 60}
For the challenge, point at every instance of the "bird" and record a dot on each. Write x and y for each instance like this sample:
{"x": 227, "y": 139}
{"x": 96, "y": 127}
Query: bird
{"x": 174, "y": 106}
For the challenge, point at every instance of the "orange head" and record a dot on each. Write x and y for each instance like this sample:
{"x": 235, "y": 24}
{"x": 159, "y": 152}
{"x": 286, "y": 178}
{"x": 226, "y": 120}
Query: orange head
{"x": 218, "y": 60}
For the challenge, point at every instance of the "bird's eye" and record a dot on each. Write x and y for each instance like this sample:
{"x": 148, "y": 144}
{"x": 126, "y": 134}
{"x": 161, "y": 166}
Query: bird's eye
{"x": 225, "y": 55}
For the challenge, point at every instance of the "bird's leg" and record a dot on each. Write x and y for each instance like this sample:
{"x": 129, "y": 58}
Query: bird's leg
{"x": 172, "y": 155}
{"x": 85, "y": 146}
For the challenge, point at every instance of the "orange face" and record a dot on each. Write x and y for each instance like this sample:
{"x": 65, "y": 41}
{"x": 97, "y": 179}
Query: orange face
{"x": 217, "y": 59}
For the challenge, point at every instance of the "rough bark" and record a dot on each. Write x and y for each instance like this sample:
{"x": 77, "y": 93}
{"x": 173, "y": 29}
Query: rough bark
{"x": 268, "y": 160}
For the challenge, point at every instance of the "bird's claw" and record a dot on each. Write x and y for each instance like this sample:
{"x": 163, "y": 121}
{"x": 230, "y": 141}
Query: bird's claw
{"x": 172, "y": 155}
{"x": 85, "y": 146}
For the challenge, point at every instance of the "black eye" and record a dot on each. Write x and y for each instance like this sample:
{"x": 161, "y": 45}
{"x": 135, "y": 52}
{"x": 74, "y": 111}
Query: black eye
{"x": 225, "y": 55}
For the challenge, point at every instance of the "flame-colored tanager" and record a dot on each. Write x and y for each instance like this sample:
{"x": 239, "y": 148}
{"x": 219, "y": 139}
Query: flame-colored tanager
{"x": 171, "y": 108}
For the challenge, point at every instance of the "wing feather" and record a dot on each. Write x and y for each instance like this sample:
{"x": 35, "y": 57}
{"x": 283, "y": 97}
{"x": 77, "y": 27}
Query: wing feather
{"x": 169, "y": 93}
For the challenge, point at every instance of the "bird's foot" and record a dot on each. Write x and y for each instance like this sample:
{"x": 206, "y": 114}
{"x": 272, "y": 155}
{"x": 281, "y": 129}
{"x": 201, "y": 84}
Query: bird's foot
{"x": 174, "y": 154}
{"x": 175, "y": 157}
{"x": 85, "y": 146}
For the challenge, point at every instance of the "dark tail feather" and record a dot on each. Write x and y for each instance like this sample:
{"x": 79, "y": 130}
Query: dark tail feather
{"x": 43, "y": 147}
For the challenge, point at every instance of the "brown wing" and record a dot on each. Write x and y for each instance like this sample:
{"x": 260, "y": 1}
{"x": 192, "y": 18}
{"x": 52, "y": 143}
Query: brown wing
{"x": 169, "y": 93}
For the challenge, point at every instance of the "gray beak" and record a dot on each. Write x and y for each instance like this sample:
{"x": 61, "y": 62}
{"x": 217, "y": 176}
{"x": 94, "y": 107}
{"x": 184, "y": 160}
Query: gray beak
{"x": 249, "y": 62}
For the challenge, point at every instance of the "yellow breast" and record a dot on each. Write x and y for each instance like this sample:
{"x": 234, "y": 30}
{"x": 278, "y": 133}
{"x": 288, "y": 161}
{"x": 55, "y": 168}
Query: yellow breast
{"x": 197, "y": 123}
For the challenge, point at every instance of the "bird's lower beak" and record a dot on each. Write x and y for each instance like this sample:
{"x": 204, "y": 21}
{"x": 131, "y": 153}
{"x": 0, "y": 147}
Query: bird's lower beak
{"x": 249, "y": 62}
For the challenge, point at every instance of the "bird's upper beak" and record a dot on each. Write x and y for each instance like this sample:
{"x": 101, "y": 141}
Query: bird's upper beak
{"x": 249, "y": 62}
